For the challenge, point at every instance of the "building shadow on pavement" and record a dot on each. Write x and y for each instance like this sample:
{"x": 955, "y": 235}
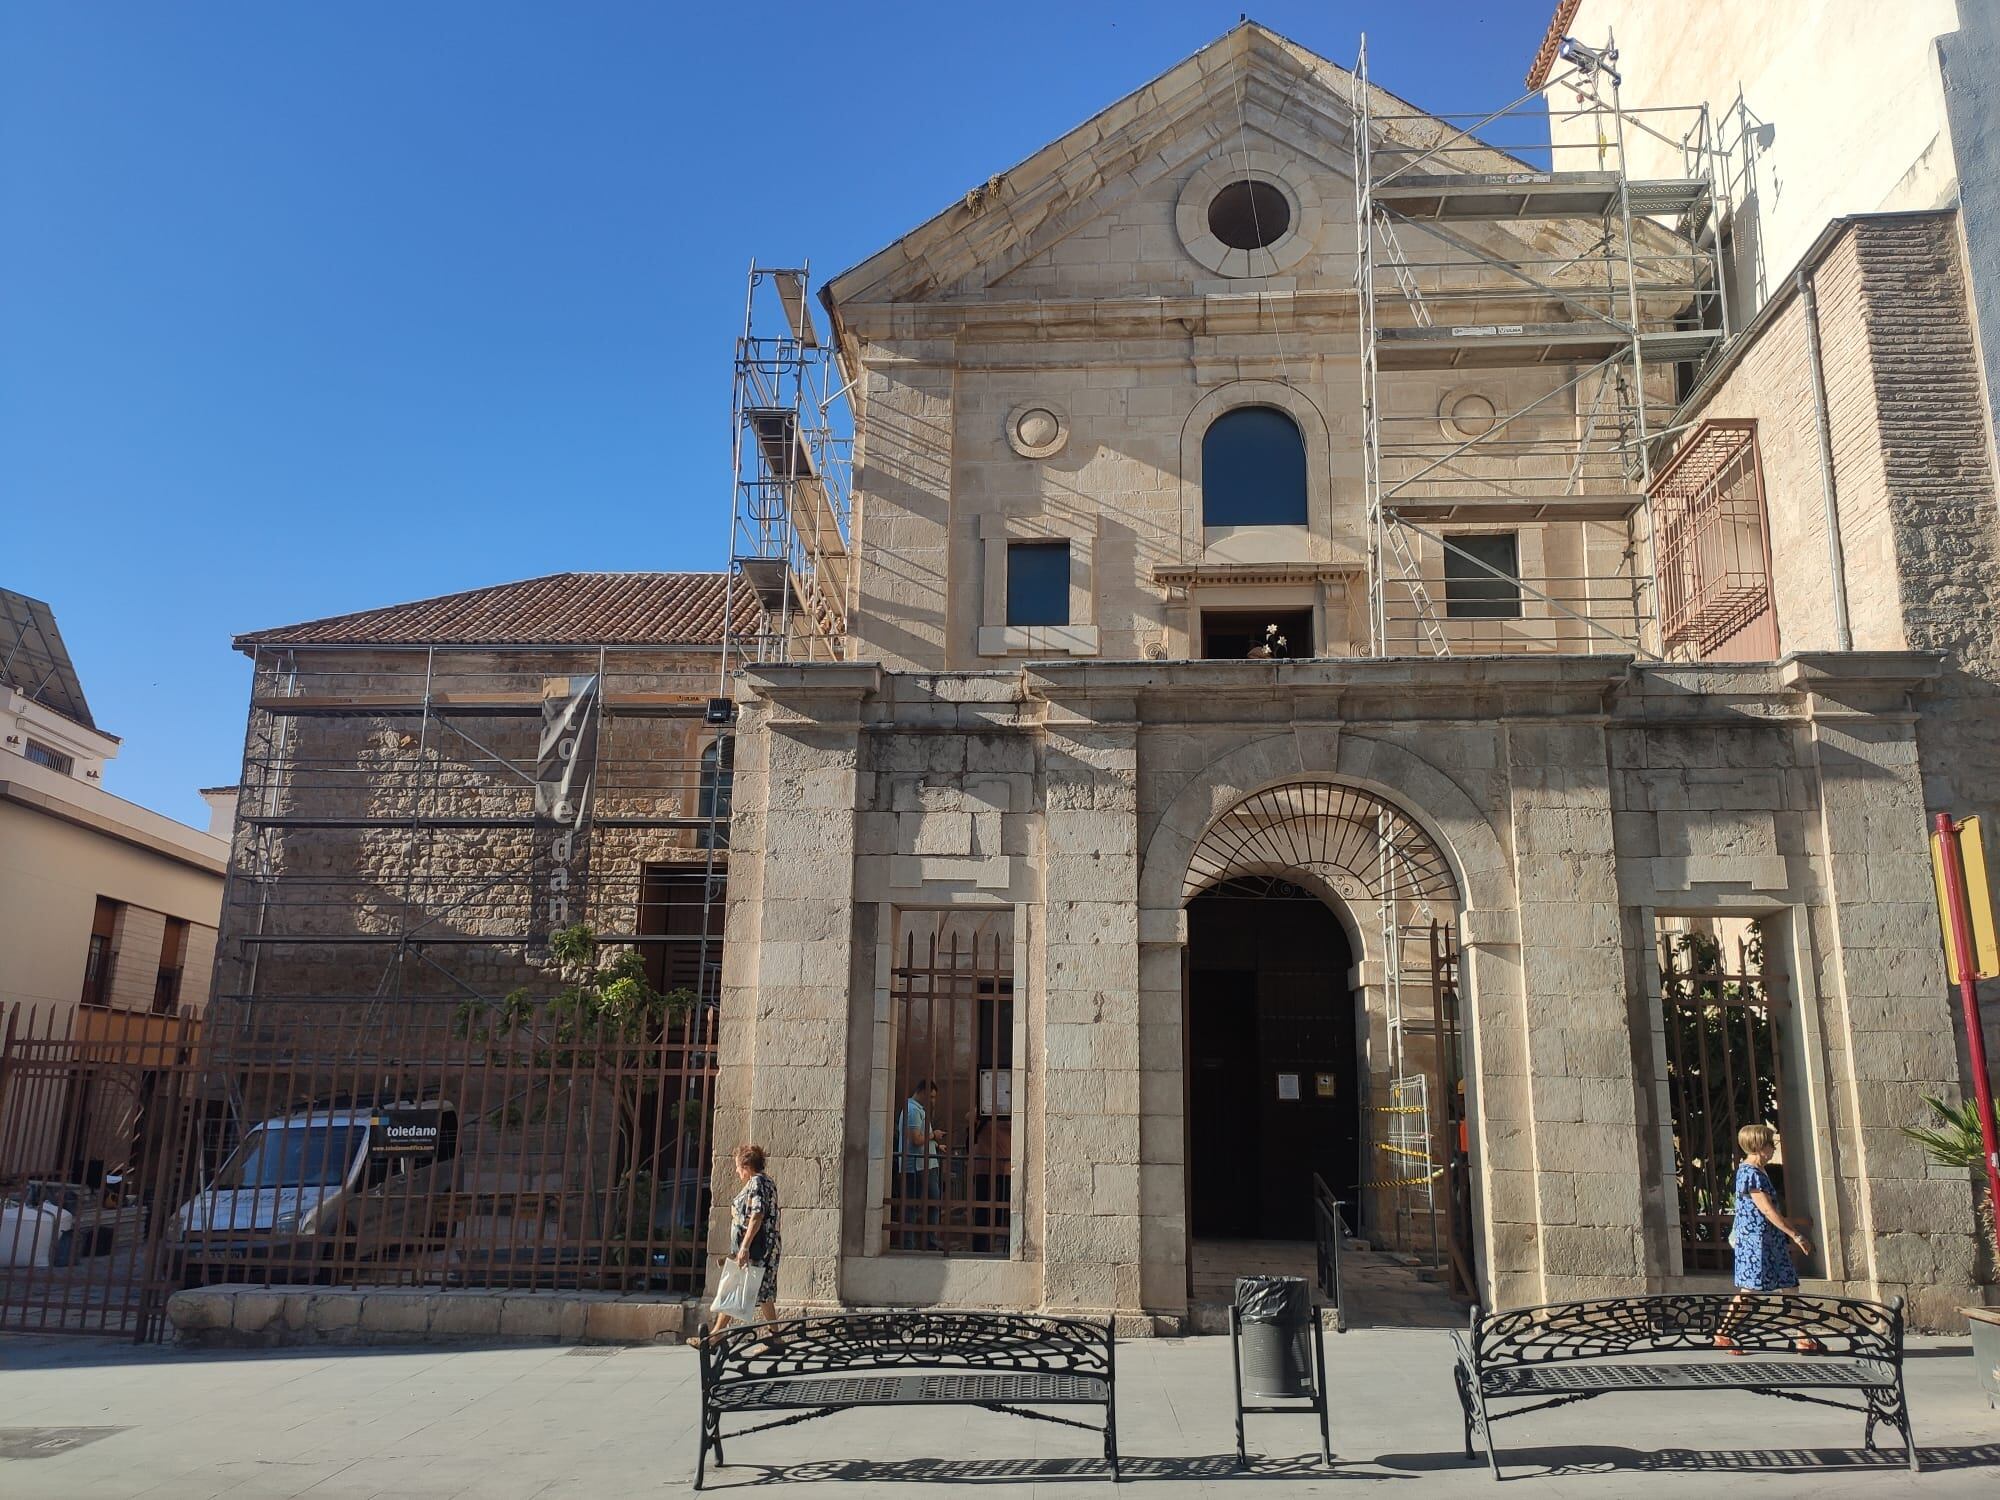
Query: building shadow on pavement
{"x": 1205, "y": 1466}
{"x": 1553, "y": 1462}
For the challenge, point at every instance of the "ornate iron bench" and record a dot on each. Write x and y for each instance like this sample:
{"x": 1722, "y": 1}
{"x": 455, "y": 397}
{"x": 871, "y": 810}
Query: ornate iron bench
{"x": 1571, "y": 1351}
{"x": 815, "y": 1366}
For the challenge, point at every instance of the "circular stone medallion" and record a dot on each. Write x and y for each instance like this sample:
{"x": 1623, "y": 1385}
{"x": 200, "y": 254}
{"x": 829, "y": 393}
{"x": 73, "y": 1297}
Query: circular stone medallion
{"x": 1037, "y": 429}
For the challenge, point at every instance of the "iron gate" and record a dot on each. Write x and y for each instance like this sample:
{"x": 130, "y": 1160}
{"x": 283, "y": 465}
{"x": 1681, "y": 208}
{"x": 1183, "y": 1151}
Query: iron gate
{"x": 1724, "y": 1071}
{"x": 96, "y": 1120}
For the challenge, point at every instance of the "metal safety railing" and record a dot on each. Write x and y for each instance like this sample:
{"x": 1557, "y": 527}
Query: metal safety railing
{"x": 1329, "y": 1230}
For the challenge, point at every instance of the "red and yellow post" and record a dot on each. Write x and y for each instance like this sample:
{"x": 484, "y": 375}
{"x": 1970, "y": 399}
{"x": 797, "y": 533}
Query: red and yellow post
{"x": 1972, "y": 953}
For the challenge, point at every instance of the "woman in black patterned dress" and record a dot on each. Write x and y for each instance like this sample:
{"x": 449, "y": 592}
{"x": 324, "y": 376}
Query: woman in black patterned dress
{"x": 753, "y": 1232}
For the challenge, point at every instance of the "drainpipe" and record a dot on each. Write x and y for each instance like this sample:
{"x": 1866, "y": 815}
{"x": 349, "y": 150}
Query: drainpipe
{"x": 1836, "y": 559}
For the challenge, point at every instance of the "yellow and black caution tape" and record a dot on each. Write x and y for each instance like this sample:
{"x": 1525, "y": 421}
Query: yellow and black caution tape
{"x": 1396, "y": 1109}
{"x": 1392, "y": 1182}
{"x": 1403, "y": 1151}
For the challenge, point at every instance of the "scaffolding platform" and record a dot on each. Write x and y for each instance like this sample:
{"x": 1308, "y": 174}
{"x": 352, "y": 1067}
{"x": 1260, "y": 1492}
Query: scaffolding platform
{"x": 1459, "y": 509}
{"x": 1491, "y": 196}
{"x": 1466, "y": 346}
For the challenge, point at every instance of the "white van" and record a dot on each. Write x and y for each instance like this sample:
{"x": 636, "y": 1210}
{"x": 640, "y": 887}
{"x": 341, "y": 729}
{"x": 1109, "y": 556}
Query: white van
{"x": 298, "y": 1185}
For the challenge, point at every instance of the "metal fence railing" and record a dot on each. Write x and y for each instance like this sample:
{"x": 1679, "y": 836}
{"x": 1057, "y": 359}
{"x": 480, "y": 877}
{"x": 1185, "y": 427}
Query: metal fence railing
{"x": 95, "y": 1113}
{"x": 391, "y": 1143}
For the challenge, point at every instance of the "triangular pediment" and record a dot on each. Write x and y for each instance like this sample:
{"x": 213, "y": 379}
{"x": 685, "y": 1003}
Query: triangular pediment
{"x": 1115, "y": 179}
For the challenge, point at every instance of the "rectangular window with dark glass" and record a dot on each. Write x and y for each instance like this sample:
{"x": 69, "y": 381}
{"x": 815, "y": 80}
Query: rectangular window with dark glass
{"x": 1038, "y": 583}
{"x": 173, "y": 956}
{"x": 101, "y": 957}
{"x": 1472, "y": 591}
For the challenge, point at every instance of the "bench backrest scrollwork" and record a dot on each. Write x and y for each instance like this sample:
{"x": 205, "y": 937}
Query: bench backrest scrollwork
{"x": 1605, "y": 1328}
{"x": 838, "y": 1343}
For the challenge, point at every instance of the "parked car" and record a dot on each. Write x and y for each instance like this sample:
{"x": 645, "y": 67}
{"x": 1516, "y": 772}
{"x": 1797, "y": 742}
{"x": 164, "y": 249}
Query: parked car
{"x": 364, "y": 1182}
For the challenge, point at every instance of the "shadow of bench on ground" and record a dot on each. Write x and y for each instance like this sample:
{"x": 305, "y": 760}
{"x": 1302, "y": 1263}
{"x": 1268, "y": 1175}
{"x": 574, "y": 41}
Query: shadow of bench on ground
{"x": 1549, "y": 1462}
{"x": 1215, "y": 1466}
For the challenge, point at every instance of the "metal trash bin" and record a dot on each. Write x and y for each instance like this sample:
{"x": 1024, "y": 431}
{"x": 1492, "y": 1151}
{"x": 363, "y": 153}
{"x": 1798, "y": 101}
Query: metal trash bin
{"x": 1274, "y": 1314}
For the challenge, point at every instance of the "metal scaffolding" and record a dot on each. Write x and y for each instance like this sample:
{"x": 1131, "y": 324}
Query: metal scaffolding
{"x": 1525, "y": 334}
{"x": 1523, "y": 337}
{"x": 793, "y": 456}
{"x": 416, "y": 822}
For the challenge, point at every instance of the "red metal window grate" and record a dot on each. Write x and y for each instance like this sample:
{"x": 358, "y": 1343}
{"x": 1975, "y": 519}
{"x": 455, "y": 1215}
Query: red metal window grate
{"x": 1711, "y": 543}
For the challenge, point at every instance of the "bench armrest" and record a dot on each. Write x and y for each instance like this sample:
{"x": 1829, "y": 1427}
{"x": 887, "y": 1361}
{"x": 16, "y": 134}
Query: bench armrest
{"x": 1464, "y": 1352}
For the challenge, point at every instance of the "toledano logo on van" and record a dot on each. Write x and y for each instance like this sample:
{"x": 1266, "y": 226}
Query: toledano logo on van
{"x": 404, "y": 1132}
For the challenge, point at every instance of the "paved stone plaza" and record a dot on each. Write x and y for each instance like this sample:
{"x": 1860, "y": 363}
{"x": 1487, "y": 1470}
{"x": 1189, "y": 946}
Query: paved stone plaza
{"x": 545, "y": 1423}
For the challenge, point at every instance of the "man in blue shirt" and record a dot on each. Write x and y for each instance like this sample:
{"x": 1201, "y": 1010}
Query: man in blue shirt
{"x": 917, "y": 1166}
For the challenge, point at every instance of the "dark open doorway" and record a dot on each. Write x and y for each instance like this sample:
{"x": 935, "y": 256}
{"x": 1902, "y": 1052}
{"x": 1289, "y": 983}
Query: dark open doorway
{"x": 1273, "y": 1077}
{"x": 1230, "y": 634}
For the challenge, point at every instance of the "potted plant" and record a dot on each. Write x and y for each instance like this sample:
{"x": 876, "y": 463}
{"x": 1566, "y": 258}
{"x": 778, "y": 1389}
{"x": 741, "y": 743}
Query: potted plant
{"x": 1953, "y": 1140}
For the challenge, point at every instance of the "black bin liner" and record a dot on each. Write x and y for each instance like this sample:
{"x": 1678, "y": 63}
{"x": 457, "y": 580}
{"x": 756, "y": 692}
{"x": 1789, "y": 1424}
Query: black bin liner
{"x": 1275, "y": 1314}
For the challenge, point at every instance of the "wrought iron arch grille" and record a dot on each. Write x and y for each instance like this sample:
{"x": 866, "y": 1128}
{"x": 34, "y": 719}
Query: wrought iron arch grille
{"x": 1331, "y": 832}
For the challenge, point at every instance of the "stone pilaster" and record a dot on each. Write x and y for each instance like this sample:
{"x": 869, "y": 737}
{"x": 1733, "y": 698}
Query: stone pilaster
{"x": 1583, "y": 1143}
{"x": 1907, "y": 1229}
{"x": 788, "y": 959}
{"x": 1093, "y": 1000}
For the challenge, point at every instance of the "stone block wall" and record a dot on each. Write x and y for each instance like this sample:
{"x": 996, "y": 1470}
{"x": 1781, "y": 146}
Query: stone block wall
{"x": 1580, "y": 801}
{"x": 1913, "y": 476}
{"x": 378, "y": 814}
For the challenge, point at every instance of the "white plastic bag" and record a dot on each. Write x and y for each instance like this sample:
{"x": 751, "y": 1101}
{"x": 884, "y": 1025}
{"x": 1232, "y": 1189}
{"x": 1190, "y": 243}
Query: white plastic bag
{"x": 736, "y": 1291}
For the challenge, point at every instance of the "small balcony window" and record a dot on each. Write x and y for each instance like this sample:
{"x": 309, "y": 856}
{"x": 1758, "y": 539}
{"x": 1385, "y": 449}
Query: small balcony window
{"x": 1256, "y": 634}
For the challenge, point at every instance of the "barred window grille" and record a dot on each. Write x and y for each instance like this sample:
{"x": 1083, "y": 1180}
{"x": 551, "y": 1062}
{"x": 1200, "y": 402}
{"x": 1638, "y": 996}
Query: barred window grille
{"x": 950, "y": 1137}
{"x": 1724, "y": 1060}
{"x": 1712, "y": 547}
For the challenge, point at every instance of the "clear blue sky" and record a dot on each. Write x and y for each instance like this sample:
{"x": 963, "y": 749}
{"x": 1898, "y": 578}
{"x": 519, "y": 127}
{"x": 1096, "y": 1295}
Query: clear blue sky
{"x": 312, "y": 307}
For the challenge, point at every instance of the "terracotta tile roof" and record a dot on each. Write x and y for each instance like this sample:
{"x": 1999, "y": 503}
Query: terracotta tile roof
{"x": 562, "y": 609}
{"x": 1545, "y": 58}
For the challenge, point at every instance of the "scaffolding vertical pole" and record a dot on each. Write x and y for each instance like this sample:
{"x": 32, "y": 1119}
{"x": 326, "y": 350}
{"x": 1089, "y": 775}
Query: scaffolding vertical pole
{"x": 1642, "y": 436}
{"x": 1364, "y": 282}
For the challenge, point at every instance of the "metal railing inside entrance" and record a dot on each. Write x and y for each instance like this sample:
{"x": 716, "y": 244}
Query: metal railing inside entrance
{"x": 1329, "y": 1232}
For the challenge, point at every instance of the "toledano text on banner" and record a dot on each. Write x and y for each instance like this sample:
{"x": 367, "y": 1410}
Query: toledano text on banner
{"x": 565, "y": 765}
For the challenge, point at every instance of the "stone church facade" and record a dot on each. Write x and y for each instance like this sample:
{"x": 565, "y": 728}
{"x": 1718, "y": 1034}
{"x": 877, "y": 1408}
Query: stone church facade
{"x": 997, "y": 880}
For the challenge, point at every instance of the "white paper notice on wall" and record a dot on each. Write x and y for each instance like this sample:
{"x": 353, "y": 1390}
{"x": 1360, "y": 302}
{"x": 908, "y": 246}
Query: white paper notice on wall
{"x": 990, "y": 1102}
{"x": 1288, "y": 1085}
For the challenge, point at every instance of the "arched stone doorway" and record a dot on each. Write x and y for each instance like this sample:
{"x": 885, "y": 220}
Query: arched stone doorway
{"x": 1319, "y": 916}
{"x": 1274, "y": 1043}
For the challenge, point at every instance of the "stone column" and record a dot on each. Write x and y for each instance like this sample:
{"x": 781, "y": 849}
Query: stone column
{"x": 1891, "y": 1022}
{"x": 788, "y": 956}
{"x": 1091, "y": 975}
{"x": 1582, "y": 1084}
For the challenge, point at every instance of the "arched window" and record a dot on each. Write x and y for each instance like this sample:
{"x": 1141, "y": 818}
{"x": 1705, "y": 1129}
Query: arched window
{"x": 718, "y": 775}
{"x": 1253, "y": 469}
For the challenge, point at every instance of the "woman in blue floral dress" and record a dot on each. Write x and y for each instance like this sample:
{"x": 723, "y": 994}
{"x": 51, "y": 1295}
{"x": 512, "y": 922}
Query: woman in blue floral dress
{"x": 1763, "y": 1237}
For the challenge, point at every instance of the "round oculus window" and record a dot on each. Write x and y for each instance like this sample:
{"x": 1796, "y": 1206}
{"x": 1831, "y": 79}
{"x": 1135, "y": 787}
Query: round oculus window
{"x": 1249, "y": 214}
{"x": 1470, "y": 414}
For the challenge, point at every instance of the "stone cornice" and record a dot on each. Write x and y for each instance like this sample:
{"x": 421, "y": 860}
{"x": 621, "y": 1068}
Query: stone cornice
{"x": 1870, "y": 684}
{"x": 1179, "y": 316}
{"x": 1607, "y": 689}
